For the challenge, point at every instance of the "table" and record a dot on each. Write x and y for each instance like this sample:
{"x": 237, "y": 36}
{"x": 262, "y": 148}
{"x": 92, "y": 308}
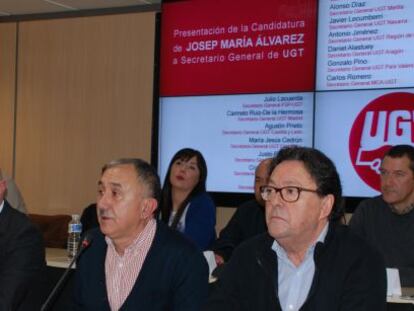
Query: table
{"x": 405, "y": 302}
{"x": 406, "y": 298}
{"x": 57, "y": 258}
{"x": 396, "y": 303}
{"x": 396, "y": 299}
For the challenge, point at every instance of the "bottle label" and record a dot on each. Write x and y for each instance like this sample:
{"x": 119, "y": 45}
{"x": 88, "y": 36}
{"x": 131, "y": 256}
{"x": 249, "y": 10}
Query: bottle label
{"x": 75, "y": 228}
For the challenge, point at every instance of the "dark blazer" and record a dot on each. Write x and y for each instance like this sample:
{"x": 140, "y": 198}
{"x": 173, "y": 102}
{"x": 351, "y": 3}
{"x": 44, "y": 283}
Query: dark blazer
{"x": 200, "y": 221}
{"x": 248, "y": 221}
{"x": 349, "y": 276}
{"x": 174, "y": 276}
{"x": 22, "y": 259}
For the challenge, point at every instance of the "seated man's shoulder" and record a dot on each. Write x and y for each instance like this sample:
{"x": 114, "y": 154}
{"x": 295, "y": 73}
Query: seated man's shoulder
{"x": 260, "y": 239}
{"x": 174, "y": 240}
{"x": 368, "y": 209}
{"x": 251, "y": 246}
{"x": 353, "y": 244}
{"x": 180, "y": 250}
{"x": 94, "y": 235}
{"x": 371, "y": 204}
{"x": 21, "y": 237}
{"x": 13, "y": 213}
{"x": 356, "y": 257}
{"x": 18, "y": 221}
{"x": 96, "y": 241}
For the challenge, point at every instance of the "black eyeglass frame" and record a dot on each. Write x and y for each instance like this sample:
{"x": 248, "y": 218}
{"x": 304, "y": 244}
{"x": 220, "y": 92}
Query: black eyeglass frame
{"x": 281, "y": 190}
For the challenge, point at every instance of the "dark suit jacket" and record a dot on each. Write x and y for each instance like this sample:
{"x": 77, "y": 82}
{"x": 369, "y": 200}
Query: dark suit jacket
{"x": 174, "y": 276}
{"x": 349, "y": 276}
{"x": 248, "y": 221}
{"x": 22, "y": 259}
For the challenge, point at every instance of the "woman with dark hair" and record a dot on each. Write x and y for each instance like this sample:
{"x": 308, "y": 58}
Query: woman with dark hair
{"x": 185, "y": 204}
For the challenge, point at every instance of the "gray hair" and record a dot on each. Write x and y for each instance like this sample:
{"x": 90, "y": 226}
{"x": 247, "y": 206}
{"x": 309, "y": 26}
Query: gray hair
{"x": 145, "y": 172}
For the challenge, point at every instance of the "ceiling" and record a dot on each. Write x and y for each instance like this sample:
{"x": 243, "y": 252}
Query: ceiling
{"x": 23, "y": 7}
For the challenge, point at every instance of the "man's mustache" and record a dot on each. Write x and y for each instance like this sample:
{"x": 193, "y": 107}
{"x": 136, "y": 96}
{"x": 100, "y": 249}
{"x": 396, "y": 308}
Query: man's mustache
{"x": 105, "y": 213}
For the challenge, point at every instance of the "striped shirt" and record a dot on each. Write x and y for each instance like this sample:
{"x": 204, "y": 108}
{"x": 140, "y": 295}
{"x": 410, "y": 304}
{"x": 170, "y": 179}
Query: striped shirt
{"x": 121, "y": 272}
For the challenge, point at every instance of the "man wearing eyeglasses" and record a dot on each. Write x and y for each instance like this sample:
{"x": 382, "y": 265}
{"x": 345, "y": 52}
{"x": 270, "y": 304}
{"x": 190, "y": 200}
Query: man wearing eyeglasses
{"x": 387, "y": 221}
{"x": 306, "y": 260}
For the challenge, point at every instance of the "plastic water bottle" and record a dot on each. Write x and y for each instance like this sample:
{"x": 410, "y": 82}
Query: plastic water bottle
{"x": 74, "y": 234}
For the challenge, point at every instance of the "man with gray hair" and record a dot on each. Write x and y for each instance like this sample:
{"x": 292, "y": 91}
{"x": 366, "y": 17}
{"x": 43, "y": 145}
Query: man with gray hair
{"x": 135, "y": 262}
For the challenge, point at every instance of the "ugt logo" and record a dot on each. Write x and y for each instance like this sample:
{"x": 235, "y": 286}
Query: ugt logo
{"x": 386, "y": 121}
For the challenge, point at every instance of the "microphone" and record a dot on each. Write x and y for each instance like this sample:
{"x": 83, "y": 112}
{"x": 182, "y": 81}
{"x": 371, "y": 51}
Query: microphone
{"x": 86, "y": 242}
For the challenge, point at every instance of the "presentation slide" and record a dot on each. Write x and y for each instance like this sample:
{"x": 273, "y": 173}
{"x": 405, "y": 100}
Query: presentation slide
{"x": 237, "y": 47}
{"x": 233, "y": 132}
{"x": 355, "y": 128}
{"x": 365, "y": 44}
{"x": 239, "y": 80}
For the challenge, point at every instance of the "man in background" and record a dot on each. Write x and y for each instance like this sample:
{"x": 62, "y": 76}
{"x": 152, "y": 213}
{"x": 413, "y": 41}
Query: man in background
{"x": 387, "y": 221}
{"x": 135, "y": 262}
{"x": 247, "y": 221}
{"x": 22, "y": 257}
{"x": 13, "y": 194}
{"x": 306, "y": 261}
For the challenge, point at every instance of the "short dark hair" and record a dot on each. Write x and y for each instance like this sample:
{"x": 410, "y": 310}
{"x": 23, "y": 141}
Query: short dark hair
{"x": 321, "y": 169}
{"x": 145, "y": 173}
{"x": 399, "y": 151}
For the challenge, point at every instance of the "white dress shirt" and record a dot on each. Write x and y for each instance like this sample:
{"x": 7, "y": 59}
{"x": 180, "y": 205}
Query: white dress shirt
{"x": 294, "y": 282}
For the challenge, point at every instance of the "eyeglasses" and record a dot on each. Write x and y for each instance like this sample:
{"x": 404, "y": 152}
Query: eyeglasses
{"x": 288, "y": 194}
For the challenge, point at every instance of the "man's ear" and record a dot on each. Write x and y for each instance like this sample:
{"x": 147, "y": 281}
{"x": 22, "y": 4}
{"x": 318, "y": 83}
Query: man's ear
{"x": 149, "y": 205}
{"x": 327, "y": 206}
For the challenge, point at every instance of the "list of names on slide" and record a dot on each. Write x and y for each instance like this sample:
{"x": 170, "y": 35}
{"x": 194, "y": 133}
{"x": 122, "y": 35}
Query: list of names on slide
{"x": 365, "y": 44}
{"x": 258, "y": 128}
{"x": 234, "y": 132}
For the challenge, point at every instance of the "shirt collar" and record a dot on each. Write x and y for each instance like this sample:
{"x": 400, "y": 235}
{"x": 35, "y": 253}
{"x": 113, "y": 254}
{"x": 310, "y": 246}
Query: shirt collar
{"x": 321, "y": 238}
{"x": 139, "y": 240}
{"x": 1, "y": 205}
